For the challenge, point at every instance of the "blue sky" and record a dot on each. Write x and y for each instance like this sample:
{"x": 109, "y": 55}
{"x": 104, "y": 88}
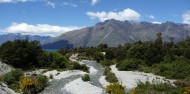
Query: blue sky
{"x": 53, "y": 17}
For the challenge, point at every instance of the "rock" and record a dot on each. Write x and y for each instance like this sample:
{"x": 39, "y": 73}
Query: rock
{"x": 5, "y": 90}
{"x": 4, "y": 68}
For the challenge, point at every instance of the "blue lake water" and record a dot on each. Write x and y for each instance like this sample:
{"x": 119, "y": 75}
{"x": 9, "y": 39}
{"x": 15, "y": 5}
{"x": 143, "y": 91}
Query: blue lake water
{"x": 51, "y": 50}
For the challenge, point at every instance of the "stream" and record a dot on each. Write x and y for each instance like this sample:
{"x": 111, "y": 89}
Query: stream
{"x": 55, "y": 86}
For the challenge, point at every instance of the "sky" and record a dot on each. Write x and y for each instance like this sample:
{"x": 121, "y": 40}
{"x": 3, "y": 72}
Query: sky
{"x": 54, "y": 17}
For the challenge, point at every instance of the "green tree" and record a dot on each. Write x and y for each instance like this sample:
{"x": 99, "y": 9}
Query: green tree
{"x": 20, "y": 53}
{"x": 98, "y": 56}
{"x": 158, "y": 41}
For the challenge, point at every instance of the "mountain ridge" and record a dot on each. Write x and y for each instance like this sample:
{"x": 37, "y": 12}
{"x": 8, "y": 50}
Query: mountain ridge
{"x": 13, "y": 36}
{"x": 114, "y": 33}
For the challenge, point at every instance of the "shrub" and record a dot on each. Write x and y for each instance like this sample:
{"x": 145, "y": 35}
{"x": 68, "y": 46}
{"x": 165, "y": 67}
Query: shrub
{"x": 27, "y": 85}
{"x": 174, "y": 70}
{"x": 15, "y": 86}
{"x": 40, "y": 82}
{"x": 157, "y": 88}
{"x": 110, "y": 77}
{"x": 76, "y": 65}
{"x": 98, "y": 56}
{"x": 129, "y": 64}
{"x": 187, "y": 90}
{"x": 106, "y": 62}
{"x": 106, "y": 70}
{"x": 12, "y": 77}
{"x": 115, "y": 88}
{"x": 86, "y": 77}
{"x": 133, "y": 91}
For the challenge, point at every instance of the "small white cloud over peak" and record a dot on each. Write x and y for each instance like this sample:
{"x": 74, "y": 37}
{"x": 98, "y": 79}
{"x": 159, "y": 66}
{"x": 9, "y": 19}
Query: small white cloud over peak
{"x": 186, "y": 17}
{"x": 14, "y": 1}
{"x": 39, "y": 29}
{"x": 156, "y": 22}
{"x": 126, "y": 14}
{"x": 93, "y": 2}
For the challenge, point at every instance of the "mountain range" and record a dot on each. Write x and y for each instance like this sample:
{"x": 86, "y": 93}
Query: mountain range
{"x": 12, "y": 36}
{"x": 114, "y": 33}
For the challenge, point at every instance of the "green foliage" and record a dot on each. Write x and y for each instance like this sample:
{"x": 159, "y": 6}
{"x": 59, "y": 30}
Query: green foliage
{"x": 137, "y": 51}
{"x": 12, "y": 79}
{"x": 106, "y": 70}
{"x": 106, "y": 62}
{"x": 12, "y": 76}
{"x": 174, "y": 70}
{"x": 129, "y": 64}
{"x": 98, "y": 56}
{"x": 115, "y": 88}
{"x": 54, "y": 60}
{"x": 76, "y": 65}
{"x": 110, "y": 77}
{"x": 86, "y": 77}
{"x": 187, "y": 53}
{"x": 110, "y": 54}
{"x": 20, "y": 53}
{"x": 102, "y": 46}
{"x": 40, "y": 82}
{"x": 63, "y": 51}
{"x": 158, "y": 88}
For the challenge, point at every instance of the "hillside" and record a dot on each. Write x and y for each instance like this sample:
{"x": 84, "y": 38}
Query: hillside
{"x": 114, "y": 32}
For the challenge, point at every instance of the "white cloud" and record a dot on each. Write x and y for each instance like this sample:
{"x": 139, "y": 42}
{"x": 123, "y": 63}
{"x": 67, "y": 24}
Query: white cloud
{"x": 13, "y": 1}
{"x": 126, "y": 14}
{"x": 151, "y": 17}
{"x": 186, "y": 17}
{"x": 49, "y": 3}
{"x": 94, "y": 2}
{"x": 69, "y": 4}
{"x": 39, "y": 29}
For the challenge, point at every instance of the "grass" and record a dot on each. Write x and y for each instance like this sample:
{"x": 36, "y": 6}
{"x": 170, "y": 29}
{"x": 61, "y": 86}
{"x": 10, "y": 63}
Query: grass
{"x": 157, "y": 88}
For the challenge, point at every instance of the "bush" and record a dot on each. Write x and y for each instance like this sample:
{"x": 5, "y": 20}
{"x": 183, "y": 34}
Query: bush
{"x": 40, "y": 82}
{"x": 55, "y": 60}
{"x": 76, "y": 65}
{"x": 174, "y": 70}
{"x": 12, "y": 77}
{"x": 110, "y": 77}
{"x": 15, "y": 86}
{"x": 187, "y": 90}
{"x": 158, "y": 88}
{"x": 86, "y": 77}
{"x": 115, "y": 88}
{"x": 106, "y": 62}
{"x": 133, "y": 91}
{"x": 98, "y": 56}
{"x": 106, "y": 70}
{"x": 129, "y": 64}
{"x": 27, "y": 85}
